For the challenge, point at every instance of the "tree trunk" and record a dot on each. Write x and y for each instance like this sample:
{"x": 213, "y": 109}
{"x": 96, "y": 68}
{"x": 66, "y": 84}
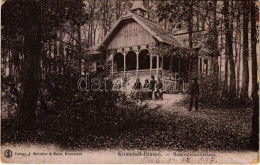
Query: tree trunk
{"x": 216, "y": 52}
{"x": 118, "y": 9}
{"x": 255, "y": 119}
{"x": 61, "y": 50}
{"x": 49, "y": 56}
{"x": 55, "y": 56}
{"x": 228, "y": 34}
{"x": 225, "y": 88}
{"x": 3, "y": 65}
{"x": 245, "y": 77}
{"x": 253, "y": 48}
{"x": 190, "y": 25}
{"x": 254, "y": 141}
{"x": 238, "y": 55}
{"x": 9, "y": 60}
{"x": 79, "y": 48}
{"x": 25, "y": 116}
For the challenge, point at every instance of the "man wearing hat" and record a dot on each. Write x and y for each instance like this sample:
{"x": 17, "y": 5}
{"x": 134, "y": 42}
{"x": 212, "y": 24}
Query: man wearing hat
{"x": 146, "y": 89}
{"x": 151, "y": 86}
{"x": 137, "y": 88}
{"x": 194, "y": 95}
{"x": 158, "y": 94}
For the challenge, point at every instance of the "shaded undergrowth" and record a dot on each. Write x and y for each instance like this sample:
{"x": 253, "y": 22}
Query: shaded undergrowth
{"x": 139, "y": 127}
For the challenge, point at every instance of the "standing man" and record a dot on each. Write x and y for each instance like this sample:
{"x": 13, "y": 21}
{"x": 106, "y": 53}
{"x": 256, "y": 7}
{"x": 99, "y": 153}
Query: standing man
{"x": 146, "y": 89}
{"x": 158, "y": 90}
{"x": 137, "y": 88}
{"x": 194, "y": 95}
{"x": 125, "y": 85}
{"x": 151, "y": 86}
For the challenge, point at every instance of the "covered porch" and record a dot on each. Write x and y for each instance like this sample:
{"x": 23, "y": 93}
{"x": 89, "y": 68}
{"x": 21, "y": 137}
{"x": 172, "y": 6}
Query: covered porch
{"x": 139, "y": 62}
{"x": 142, "y": 62}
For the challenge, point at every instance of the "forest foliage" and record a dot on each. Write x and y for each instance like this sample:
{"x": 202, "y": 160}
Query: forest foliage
{"x": 51, "y": 54}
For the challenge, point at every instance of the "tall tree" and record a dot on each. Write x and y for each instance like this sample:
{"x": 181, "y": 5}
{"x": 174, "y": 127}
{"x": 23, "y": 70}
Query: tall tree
{"x": 118, "y": 9}
{"x": 255, "y": 85}
{"x": 190, "y": 31}
{"x": 238, "y": 46}
{"x": 245, "y": 77}
{"x": 229, "y": 43}
{"x": 31, "y": 68}
{"x": 253, "y": 47}
{"x": 79, "y": 24}
{"x": 215, "y": 37}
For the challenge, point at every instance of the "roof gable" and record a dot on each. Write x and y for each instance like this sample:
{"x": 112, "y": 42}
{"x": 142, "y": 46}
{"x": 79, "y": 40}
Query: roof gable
{"x": 129, "y": 33}
{"x": 151, "y": 27}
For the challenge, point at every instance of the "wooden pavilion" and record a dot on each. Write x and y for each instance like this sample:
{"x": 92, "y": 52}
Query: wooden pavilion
{"x": 134, "y": 48}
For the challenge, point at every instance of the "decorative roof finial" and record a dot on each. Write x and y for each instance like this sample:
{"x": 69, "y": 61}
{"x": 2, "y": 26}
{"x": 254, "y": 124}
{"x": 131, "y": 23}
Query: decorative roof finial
{"x": 138, "y": 7}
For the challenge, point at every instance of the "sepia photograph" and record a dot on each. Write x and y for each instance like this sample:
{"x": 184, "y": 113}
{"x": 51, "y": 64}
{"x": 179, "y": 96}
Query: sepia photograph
{"x": 130, "y": 82}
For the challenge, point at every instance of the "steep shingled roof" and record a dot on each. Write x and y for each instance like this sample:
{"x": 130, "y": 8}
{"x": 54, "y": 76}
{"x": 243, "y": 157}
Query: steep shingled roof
{"x": 154, "y": 29}
{"x": 164, "y": 35}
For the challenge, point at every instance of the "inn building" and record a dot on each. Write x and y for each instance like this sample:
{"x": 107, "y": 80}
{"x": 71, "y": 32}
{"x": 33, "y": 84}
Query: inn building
{"x": 137, "y": 47}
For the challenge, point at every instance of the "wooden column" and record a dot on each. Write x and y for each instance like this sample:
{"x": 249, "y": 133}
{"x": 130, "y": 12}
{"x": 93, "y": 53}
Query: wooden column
{"x": 151, "y": 64}
{"x": 209, "y": 65}
{"x": 179, "y": 67}
{"x": 112, "y": 66}
{"x": 171, "y": 65}
{"x": 162, "y": 67}
{"x": 124, "y": 63}
{"x": 137, "y": 63}
{"x": 157, "y": 65}
{"x": 199, "y": 61}
{"x": 202, "y": 65}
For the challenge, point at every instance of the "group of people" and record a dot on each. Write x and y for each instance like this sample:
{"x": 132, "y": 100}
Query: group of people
{"x": 148, "y": 89}
{"x": 155, "y": 88}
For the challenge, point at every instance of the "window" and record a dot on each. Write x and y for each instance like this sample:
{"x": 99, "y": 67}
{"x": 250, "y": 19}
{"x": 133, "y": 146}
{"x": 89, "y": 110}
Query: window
{"x": 205, "y": 68}
{"x": 99, "y": 66}
{"x": 99, "y": 69}
{"x": 100, "y": 63}
{"x": 210, "y": 4}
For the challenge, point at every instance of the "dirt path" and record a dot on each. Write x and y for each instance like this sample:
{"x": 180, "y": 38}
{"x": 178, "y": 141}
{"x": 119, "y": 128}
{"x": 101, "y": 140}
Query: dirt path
{"x": 212, "y": 115}
{"x": 169, "y": 102}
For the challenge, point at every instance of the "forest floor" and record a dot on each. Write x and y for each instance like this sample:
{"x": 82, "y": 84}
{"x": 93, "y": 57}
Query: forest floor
{"x": 164, "y": 124}
{"x": 233, "y": 118}
{"x": 218, "y": 128}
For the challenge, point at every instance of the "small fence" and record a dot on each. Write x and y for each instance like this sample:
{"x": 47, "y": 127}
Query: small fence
{"x": 169, "y": 86}
{"x": 175, "y": 86}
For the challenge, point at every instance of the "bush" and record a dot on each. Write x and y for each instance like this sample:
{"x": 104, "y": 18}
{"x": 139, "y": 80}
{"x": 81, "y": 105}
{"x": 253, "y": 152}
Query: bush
{"x": 214, "y": 94}
{"x": 10, "y": 96}
{"x": 71, "y": 118}
{"x": 102, "y": 120}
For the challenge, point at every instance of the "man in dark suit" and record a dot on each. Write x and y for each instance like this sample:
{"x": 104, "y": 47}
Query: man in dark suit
{"x": 194, "y": 94}
{"x": 137, "y": 88}
{"x": 158, "y": 90}
{"x": 151, "y": 88}
{"x": 145, "y": 93}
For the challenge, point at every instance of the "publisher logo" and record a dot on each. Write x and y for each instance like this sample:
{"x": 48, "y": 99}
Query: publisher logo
{"x": 8, "y": 153}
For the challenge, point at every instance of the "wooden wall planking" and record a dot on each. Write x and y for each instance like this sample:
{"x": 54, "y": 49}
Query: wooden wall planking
{"x": 130, "y": 34}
